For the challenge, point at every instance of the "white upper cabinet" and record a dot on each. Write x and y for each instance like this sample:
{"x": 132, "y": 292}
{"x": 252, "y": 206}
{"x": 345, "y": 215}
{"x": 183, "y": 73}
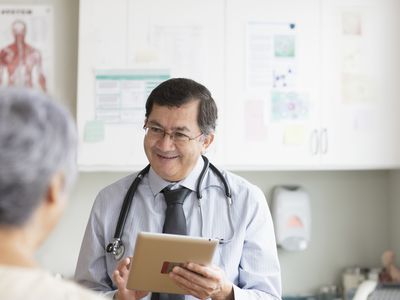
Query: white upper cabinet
{"x": 300, "y": 85}
{"x": 360, "y": 84}
{"x": 337, "y": 109}
{"x": 272, "y": 84}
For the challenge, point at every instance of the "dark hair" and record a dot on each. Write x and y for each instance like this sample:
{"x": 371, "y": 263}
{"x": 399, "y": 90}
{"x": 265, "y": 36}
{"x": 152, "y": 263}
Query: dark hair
{"x": 178, "y": 91}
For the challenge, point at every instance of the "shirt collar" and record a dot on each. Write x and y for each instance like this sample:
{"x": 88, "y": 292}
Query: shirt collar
{"x": 157, "y": 184}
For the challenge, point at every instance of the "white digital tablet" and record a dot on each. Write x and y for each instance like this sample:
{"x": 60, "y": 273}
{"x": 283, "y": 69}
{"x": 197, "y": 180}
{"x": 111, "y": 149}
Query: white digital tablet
{"x": 156, "y": 254}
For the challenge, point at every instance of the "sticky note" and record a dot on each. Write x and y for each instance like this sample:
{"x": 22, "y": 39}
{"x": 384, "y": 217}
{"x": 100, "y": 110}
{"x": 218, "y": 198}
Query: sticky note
{"x": 294, "y": 135}
{"x": 94, "y": 131}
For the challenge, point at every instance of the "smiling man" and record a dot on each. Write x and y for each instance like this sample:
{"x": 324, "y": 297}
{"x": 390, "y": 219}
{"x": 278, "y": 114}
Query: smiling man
{"x": 180, "y": 123}
{"x": 174, "y": 160}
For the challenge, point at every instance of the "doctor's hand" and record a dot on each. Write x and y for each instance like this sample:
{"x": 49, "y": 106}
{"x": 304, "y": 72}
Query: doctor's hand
{"x": 120, "y": 278}
{"x": 203, "y": 281}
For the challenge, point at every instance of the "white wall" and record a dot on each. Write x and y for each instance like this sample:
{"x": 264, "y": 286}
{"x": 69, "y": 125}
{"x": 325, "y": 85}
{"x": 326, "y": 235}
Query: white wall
{"x": 394, "y": 215}
{"x": 394, "y": 183}
{"x": 349, "y": 224}
{"x": 354, "y": 215}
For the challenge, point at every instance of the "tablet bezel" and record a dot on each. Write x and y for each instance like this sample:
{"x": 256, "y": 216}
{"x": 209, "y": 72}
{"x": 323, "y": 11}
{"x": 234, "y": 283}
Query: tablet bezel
{"x": 155, "y": 254}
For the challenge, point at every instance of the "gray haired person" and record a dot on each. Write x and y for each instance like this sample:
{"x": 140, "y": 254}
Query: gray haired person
{"x": 37, "y": 170}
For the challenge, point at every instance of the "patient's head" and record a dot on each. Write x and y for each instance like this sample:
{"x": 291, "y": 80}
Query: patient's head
{"x": 37, "y": 158}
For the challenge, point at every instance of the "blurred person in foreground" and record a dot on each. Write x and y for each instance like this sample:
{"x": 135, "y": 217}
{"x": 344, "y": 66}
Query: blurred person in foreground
{"x": 37, "y": 170}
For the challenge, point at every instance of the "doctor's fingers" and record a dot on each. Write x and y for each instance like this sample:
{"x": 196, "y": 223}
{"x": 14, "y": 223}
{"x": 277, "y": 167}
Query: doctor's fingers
{"x": 121, "y": 272}
{"x": 122, "y": 292}
{"x": 124, "y": 265}
{"x": 210, "y": 272}
{"x": 197, "y": 284}
{"x": 119, "y": 280}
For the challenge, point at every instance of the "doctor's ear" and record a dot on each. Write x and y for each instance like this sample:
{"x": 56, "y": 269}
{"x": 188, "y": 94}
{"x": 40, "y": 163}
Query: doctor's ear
{"x": 207, "y": 141}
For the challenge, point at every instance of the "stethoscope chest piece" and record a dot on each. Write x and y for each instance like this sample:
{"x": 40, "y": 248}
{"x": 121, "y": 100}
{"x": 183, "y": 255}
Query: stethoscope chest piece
{"x": 120, "y": 252}
{"x": 117, "y": 248}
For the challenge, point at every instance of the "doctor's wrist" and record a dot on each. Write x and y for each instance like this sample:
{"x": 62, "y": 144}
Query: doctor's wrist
{"x": 226, "y": 292}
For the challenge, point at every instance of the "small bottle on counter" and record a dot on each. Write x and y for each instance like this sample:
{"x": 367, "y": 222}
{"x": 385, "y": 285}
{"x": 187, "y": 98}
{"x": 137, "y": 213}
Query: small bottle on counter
{"x": 328, "y": 292}
{"x": 351, "y": 279}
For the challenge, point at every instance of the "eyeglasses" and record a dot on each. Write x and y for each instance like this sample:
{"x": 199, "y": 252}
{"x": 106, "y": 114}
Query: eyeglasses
{"x": 158, "y": 133}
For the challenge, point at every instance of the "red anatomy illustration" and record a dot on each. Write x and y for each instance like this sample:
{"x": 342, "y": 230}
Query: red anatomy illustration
{"x": 20, "y": 60}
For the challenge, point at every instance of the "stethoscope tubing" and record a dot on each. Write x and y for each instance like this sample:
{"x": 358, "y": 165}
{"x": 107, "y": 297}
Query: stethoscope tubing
{"x": 117, "y": 248}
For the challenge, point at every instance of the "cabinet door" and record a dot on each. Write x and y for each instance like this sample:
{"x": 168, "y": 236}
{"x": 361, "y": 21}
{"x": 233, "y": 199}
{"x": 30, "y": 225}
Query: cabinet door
{"x": 126, "y": 48}
{"x": 360, "y": 88}
{"x": 272, "y": 84}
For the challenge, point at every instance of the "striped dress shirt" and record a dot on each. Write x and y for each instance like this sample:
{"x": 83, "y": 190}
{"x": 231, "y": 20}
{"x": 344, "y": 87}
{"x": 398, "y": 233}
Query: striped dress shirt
{"x": 249, "y": 261}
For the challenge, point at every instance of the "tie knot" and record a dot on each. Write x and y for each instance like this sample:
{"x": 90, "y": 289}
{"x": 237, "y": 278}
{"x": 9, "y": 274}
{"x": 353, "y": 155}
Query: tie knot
{"x": 176, "y": 196}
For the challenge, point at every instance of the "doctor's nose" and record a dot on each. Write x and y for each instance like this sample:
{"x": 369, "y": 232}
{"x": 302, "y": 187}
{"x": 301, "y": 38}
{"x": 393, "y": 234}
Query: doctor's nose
{"x": 166, "y": 141}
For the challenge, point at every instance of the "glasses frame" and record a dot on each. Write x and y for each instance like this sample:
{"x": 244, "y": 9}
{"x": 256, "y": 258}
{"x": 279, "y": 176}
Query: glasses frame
{"x": 172, "y": 135}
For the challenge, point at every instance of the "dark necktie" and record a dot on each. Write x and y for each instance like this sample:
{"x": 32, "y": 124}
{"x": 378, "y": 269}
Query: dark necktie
{"x": 175, "y": 223}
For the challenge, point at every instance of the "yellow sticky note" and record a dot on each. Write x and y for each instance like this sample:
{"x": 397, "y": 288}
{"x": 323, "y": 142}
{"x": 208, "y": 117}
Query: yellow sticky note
{"x": 294, "y": 135}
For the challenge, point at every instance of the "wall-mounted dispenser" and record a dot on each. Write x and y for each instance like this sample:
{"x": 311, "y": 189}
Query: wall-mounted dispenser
{"x": 292, "y": 217}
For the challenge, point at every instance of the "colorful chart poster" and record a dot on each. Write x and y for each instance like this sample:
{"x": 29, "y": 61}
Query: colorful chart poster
{"x": 121, "y": 94}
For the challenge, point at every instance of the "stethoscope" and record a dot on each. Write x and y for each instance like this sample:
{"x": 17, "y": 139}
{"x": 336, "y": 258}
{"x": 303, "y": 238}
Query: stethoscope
{"x": 117, "y": 248}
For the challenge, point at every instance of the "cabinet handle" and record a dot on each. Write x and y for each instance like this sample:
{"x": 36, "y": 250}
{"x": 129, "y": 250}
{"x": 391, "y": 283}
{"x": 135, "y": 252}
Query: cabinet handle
{"x": 324, "y": 141}
{"x": 314, "y": 143}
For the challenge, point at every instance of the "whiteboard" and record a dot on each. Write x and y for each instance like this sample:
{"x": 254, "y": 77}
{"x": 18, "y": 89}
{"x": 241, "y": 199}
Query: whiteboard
{"x": 126, "y": 48}
{"x": 273, "y": 58}
{"x": 262, "y": 60}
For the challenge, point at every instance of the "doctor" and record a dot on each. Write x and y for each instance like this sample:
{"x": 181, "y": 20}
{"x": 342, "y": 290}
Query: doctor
{"x": 180, "y": 123}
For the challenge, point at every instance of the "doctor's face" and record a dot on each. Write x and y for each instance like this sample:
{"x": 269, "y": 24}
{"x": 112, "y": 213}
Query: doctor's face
{"x": 173, "y": 140}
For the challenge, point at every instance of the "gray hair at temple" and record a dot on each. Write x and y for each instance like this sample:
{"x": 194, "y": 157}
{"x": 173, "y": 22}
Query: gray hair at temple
{"x": 37, "y": 140}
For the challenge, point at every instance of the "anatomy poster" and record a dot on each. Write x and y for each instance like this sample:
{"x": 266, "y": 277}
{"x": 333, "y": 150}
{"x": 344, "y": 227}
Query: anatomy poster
{"x": 26, "y": 46}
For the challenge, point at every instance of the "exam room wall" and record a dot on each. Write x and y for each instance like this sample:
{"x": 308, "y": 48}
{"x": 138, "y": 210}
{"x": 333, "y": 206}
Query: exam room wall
{"x": 394, "y": 212}
{"x": 350, "y": 222}
{"x": 350, "y": 209}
